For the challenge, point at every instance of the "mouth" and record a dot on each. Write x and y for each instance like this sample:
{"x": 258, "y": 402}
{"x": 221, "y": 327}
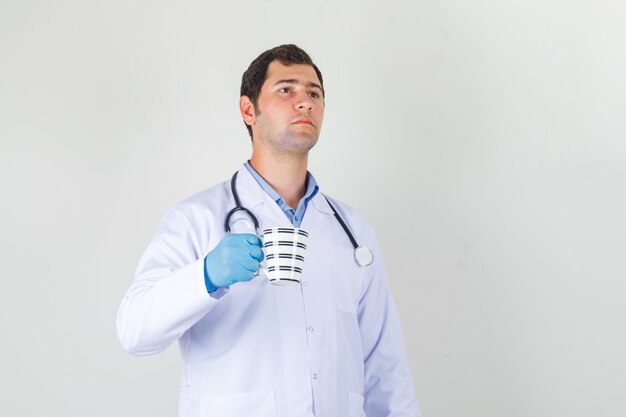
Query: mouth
{"x": 303, "y": 122}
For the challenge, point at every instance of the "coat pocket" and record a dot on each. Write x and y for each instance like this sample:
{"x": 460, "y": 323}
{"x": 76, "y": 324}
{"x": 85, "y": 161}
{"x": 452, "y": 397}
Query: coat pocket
{"x": 260, "y": 404}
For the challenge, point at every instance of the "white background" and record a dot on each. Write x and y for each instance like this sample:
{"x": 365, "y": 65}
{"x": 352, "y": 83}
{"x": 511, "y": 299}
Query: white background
{"x": 485, "y": 140}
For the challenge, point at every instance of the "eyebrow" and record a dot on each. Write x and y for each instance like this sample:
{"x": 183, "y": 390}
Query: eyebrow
{"x": 294, "y": 81}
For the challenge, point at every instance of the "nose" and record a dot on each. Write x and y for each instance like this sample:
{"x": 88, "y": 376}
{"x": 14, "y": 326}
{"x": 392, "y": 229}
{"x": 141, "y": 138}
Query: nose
{"x": 304, "y": 102}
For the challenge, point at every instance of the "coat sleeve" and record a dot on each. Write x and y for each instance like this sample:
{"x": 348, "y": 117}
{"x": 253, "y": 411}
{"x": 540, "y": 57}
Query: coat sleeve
{"x": 167, "y": 295}
{"x": 388, "y": 390}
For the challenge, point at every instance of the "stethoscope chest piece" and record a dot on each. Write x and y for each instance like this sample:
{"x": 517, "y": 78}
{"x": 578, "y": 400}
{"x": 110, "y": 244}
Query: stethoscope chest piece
{"x": 363, "y": 256}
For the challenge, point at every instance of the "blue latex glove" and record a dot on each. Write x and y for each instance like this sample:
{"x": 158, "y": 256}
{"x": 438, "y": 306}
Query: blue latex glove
{"x": 235, "y": 259}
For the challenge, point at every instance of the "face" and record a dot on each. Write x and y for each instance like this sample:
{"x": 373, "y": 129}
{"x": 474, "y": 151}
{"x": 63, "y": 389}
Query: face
{"x": 290, "y": 110}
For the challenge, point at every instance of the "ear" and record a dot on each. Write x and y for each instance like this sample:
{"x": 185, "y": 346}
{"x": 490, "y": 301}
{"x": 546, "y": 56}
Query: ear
{"x": 246, "y": 108}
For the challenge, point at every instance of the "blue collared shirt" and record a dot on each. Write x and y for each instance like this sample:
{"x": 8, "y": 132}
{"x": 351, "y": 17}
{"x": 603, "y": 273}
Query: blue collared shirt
{"x": 294, "y": 216}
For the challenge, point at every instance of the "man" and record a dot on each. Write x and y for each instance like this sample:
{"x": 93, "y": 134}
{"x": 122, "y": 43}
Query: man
{"x": 329, "y": 347}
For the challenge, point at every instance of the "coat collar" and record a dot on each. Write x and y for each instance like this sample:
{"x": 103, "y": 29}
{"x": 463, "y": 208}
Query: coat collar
{"x": 250, "y": 192}
{"x": 320, "y": 204}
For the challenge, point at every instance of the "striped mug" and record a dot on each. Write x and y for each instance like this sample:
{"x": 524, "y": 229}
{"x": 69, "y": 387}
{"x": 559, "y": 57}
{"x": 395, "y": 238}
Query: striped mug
{"x": 284, "y": 249}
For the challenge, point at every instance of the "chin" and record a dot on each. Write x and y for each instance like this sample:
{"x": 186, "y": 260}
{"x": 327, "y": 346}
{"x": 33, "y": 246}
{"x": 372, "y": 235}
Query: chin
{"x": 295, "y": 143}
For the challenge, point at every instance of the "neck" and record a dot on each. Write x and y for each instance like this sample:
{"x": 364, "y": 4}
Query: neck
{"x": 286, "y": 175}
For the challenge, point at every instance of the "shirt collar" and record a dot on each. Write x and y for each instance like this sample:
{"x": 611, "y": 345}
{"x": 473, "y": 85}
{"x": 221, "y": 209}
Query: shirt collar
{"x": 311, "y": 187}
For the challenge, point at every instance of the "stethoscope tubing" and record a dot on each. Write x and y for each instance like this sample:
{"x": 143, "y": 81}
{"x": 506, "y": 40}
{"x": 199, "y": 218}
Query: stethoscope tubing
{"x": 238, "y": 207}
{"x": 362, "y": 255}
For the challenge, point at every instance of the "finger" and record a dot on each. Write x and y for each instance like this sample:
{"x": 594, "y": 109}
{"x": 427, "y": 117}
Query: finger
{"x": 239, "y": 238}
{"x": 253, "y": 240}
{"x": 250, "y": 265}
{"x": 246, "y": 277}
{"x": 256, "y": 253}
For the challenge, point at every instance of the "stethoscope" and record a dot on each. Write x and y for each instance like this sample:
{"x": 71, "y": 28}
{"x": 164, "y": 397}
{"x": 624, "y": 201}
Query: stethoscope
{"x": 362, "y": 254}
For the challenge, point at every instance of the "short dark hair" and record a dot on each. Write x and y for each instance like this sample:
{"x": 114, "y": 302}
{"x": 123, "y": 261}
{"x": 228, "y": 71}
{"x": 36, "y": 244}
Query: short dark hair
{"x": 254, "y": 77}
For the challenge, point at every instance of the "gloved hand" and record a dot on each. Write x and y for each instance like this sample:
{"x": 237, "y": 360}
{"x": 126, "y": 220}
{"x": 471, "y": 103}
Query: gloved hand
{"x": 235, "y": 259}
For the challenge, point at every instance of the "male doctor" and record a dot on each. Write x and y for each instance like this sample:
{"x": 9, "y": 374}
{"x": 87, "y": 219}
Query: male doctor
{"x": 329, "y": 347}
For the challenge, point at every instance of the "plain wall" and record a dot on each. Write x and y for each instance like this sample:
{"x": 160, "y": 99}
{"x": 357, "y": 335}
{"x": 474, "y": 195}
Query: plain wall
{"x": 485, "y": 141}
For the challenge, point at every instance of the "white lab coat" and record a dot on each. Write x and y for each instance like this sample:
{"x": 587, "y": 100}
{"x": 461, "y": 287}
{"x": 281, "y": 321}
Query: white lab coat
{"x": 330, "y": 347}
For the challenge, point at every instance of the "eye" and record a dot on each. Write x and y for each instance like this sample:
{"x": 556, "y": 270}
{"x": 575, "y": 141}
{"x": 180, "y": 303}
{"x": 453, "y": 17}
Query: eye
{"x": 285, "y": 90}
{"x": 314, "y": 94}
